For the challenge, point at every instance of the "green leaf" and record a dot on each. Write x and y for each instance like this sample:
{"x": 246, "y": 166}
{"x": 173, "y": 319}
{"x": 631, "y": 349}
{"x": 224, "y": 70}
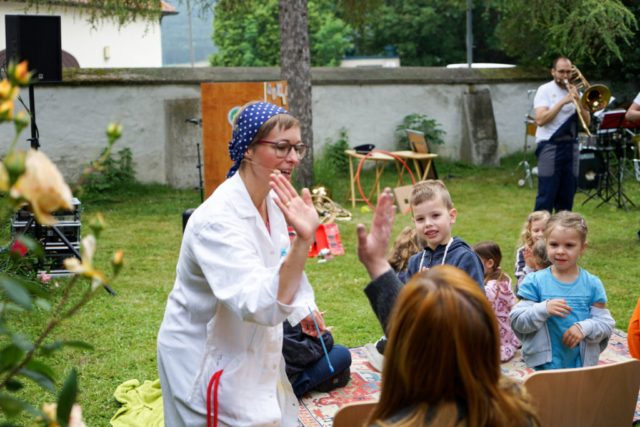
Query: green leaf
{"x": 12, "y": 406}
{"x": 67, "y": 398}
{"x": 43, "y": 304}
{"x": 41, "y": 379}
{"x": 48, "y": 349}
{"x": 15, "y": 308}
{"x": 14, "y": 385}
{"x": 38, "y": 366}
{"x": 9, "y": 356}
{"x": 16, "y": 292}
{"x": 22, "y": 342}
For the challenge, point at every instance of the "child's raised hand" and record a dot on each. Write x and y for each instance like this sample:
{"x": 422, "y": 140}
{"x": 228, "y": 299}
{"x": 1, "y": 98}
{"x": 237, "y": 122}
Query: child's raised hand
{"x": 528, "y": 258}
{"x": 558, "y": 307}
{"x": 572, "y": 336}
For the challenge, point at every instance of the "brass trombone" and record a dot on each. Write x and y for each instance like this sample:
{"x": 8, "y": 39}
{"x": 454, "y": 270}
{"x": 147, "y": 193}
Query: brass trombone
{"x": 594, "y": 98}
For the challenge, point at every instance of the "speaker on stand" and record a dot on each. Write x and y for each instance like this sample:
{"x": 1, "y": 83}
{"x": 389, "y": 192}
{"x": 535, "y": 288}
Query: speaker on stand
{"x": 37, "y": 39}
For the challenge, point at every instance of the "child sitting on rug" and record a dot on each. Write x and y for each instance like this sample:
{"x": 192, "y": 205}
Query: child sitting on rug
{"x": 532, "y": 230}
{"x": 406, "y": 245}
{"x": 497, "y": 286}
{"x": 433, "y": 216}
{"x": 306, "y": 364}
{"x": 456, "y": 381}
{"x": 540, "y": 257}
{"x": 562, "y": 305}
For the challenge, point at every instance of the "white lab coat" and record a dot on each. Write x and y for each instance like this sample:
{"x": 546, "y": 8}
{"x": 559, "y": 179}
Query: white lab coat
{"x": 223, "y": 314}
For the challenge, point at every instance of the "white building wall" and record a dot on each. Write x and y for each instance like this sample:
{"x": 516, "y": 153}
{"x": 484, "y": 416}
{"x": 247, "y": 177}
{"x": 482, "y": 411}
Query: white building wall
{"x": 72, "y": 116}
{"x": 135, "y": 45}
{"x": 370, "y": 114}
{"x": 72, "y": 119}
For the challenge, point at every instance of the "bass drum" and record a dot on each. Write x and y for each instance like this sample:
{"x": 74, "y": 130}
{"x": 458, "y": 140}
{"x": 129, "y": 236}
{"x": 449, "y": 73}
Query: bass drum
{"x": 591, "y": 168}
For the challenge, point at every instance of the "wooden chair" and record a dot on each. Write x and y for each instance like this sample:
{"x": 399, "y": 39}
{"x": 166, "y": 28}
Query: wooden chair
{"x": 353, "y": 415}
{"x": 419, "y": 145}
{"x": 603, "y": 395}
{"x": 402, "y": 195}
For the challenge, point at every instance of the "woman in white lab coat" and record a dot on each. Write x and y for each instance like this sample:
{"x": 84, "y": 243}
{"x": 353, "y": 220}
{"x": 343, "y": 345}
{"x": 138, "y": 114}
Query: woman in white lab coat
{"x": 238, "y": 279}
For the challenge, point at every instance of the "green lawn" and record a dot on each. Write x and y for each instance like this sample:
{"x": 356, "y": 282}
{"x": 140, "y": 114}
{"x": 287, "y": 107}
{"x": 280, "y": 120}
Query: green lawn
{"x": 145, "y": 221}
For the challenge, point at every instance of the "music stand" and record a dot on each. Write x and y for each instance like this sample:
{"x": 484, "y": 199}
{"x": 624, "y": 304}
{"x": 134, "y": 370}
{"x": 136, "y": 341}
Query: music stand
{"x": 612, "y": 122}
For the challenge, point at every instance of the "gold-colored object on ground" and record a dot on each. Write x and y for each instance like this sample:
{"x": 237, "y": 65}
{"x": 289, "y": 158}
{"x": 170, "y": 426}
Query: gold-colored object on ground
{"x": 320, "y": 190}
{"x": 328, "y": 210}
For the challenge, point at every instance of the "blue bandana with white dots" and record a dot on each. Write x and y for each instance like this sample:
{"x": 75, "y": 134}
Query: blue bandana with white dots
{"x": 247, "y": 125}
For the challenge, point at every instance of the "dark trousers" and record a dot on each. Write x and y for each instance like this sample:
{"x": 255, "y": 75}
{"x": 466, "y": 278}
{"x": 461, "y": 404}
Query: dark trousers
{"x": 558, "y": 164}
{"x": 318, "y": 372}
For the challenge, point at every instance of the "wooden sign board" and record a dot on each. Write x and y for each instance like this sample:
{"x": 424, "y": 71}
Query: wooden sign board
{"x": 220, "y": 103}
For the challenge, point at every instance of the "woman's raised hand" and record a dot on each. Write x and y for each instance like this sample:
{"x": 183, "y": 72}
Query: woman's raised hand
{"x": 298, "y": 211}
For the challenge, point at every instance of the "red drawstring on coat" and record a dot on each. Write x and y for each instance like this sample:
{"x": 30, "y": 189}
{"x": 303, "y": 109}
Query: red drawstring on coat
{"x": 212, "y": 407}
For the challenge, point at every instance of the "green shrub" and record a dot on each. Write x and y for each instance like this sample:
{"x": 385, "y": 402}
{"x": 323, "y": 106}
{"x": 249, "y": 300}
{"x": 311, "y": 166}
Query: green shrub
{"x": 334, "y": 161}
{"x": 113, "y": 174}
{"x": 420, "y": 123}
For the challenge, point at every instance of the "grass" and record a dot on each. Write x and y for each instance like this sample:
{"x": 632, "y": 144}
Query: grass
{"x": 145, "y": 221}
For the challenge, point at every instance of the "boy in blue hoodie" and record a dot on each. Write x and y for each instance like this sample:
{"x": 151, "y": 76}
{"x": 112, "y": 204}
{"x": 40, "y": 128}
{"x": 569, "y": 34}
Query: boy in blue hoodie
{"x": 433, "y": 215}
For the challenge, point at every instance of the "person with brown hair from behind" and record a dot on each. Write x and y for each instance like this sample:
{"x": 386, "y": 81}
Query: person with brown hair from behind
{"x": 442, "y": 364}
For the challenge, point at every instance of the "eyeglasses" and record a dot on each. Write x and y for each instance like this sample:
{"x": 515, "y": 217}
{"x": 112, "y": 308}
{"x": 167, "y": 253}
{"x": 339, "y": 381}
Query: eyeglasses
{"x": 283, "y": 148}
{"x": 563, "y": 71}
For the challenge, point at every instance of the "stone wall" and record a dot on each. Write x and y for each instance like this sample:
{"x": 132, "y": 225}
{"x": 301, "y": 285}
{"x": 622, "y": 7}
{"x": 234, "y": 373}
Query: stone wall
{"x": 368, "y": 103}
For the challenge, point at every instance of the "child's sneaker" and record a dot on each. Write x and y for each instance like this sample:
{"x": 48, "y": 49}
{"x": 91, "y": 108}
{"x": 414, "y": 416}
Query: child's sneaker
{"x": 340, "y": 379}
{"x": 381, "y": 344}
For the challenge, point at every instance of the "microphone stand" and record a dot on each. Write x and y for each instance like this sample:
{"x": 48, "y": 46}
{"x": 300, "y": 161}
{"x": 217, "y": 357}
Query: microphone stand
{"x": 199, "y": 165}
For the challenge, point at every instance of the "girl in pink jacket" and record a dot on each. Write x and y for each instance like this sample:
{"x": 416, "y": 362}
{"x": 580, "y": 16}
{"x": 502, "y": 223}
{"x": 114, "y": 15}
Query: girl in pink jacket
{"x": 498, "y": 288}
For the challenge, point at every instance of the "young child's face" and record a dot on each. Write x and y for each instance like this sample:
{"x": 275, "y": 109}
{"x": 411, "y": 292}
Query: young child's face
{"x": 537, "y": 229}
{"x": 433, "y": 221}
{"x": 564, "y": 247}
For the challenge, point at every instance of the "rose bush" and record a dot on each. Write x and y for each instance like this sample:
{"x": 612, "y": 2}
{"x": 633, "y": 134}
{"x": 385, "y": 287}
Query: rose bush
{"x": 33, "y": 181}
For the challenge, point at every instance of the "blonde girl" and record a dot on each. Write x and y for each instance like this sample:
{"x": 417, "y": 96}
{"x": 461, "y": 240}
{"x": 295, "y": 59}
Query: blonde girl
{"x": 532, "y": 230}
{"x": 563, "y": 305}
{"x": 406, "y": 245}
{"x": 497, "y": 286}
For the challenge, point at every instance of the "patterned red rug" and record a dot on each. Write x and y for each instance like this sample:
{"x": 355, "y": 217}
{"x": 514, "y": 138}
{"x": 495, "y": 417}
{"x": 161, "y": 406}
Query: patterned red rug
{"x": 317, "y": 409}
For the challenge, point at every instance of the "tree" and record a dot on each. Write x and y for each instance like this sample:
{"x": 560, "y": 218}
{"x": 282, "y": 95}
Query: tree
{"x": 429, "y": 33}
{"x": 247, "y": 37}
{"x": 251, "y": 38}
{"x": 537, "y": 31}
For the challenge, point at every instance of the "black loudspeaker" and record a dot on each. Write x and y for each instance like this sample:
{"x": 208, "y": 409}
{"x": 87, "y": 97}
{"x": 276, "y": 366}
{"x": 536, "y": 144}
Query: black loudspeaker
{"x": 591, "y": 167}
{"x": 36, "y": 38}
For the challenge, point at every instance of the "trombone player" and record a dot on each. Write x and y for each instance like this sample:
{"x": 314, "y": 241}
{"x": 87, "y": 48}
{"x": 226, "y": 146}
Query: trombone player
{"x": 558, "y": 150}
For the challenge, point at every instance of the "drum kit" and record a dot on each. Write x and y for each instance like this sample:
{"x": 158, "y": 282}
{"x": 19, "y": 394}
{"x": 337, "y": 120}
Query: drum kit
{"x": 604, "y": 160}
